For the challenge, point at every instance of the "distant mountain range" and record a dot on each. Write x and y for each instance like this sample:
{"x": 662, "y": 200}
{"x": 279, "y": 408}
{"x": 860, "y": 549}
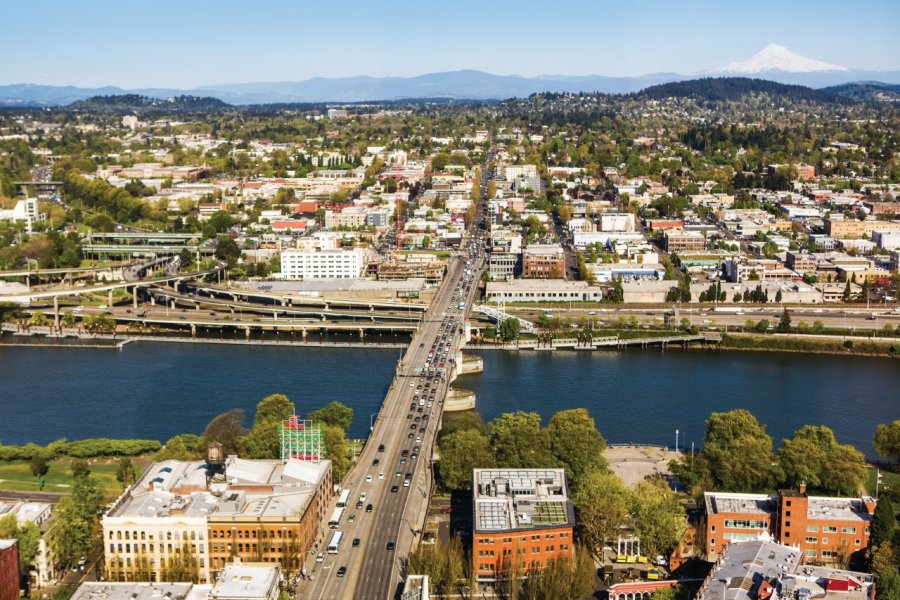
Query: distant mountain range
{"x": 774, "y": 63}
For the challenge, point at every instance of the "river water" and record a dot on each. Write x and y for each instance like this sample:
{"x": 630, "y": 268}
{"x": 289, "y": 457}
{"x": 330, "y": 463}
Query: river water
{"x": 156, "y": 390}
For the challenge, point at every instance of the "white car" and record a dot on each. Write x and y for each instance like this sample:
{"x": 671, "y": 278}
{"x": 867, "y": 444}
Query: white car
{"x": 368, "y": 479}
{"x": 320, "y": 557}
{"x": 381, "y": 475}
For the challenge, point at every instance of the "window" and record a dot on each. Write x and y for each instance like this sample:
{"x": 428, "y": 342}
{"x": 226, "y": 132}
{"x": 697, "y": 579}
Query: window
{"x": 812, "y": 528}
{"x": 744, "y": 524}
{"x": 811, "y": 553}
{"x": 848, "y": 530}
{"x": 829, "y": 529}
{"x": 713, "y": 529}
{"x": 811, "y": 540}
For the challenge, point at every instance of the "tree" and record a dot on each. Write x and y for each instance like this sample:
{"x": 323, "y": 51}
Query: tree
{"x": 79, "y": 468}
{"x": 263, "y": 440}
{"x": 738, "y": 450}
{"x": 461, "y": 452}
{"x": 575, "y": 443}
{"x": 222, "y": 221}
{"x": 338, "y": 450}
{"x": 336, "y": 414}
{"x": 440, "y": 161}
{"x": 227, "y": 250}
{"x": 509, "y": 329}
{"x": 519, "y": 442}
{"x": 226, "y": 429}
{"x": 28, "y": 539}
{"x": 183, "y": 566}
{"x": 659, "y": 518}
{"x": 125, "y": 472}
{"x": 887, "y": 441}
{"x": 39, "y": 464}
{"x": 784, "y": 324}
{"x": 884, "y": 522}
{"x": 603, "y": 503}
{"x": 179, "y": 447}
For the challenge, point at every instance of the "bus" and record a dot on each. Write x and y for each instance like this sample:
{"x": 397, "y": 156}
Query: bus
{"x": 335, "y": 544}
{"x": 335, "y": 520}
{"x": 344, "y": 498}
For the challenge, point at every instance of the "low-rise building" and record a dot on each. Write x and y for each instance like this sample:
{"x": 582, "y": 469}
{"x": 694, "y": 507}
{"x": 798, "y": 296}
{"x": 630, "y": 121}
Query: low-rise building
{"x": 105, "y": 590}
{"x": 523, "y": 519}
{"x": 801, "y": 262}
{"x": 684, "y": 241}
{"x": 25, "y": 210}
{"x": 247, "y": 581}
{"x": 543, "y": 261}
{"x": 547, "y": 290}
{"x": 322, "y": 264}
{"x": 826, "y": 530}
{"x": 854, "y": 228}
{"x": 44, "y": 570}
{"x": 253, "y": 509}
{"x": 502, "y": 266}
{"x": 762, "y": 569}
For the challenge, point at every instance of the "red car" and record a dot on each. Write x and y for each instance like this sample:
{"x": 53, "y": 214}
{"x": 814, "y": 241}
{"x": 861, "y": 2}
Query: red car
{"x": 447, "y": 510}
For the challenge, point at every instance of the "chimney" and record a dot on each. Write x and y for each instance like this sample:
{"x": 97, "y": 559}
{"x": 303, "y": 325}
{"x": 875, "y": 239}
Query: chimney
{"x": 151, "y": 486}
{"x": 803, "y": 489}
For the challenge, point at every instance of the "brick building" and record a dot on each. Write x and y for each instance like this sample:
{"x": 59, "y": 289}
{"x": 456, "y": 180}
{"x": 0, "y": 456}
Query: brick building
{"x": 825, "y": 529}
{"x": 9, "y": 570}
{"x": 544, "y": 261}
{"x": 684, "y": 241}
{"x": 258, "y": 510}
{"x": 523, "y": 518}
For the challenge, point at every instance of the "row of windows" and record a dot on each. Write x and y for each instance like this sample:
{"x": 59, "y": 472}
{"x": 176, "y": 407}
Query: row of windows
{"x": 250, "y": 533}
{"x": 814, "y": 540}
{"x": 523, "y": 538}
{"x": 143, "y": 535}
{"x": 118, "y": 561}
{"x": 744, "y": 524}
{"x": 164, "y": 548}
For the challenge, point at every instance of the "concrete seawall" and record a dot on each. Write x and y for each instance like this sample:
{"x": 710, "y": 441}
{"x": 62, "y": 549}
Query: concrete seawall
{"x": 459, "y": 399}
{"x": 472, "y": 364}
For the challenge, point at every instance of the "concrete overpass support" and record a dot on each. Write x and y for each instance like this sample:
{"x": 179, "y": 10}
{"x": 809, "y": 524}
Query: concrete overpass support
{"x": 56, "y": 312}
{"x": 109, "y": 302}
{"x": 134, "y": 296}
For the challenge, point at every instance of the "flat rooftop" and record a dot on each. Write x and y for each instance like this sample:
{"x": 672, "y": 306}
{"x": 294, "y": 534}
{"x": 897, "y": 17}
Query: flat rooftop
{"x": 251, "y": 488}
{"x": 739, "y": 503}
{"x": 336, "y": 285}
{"x": 507, "y": 499}
{"x": 141, "y": 591}
{"x": 746, "y": 567}
{"x": 841, "y": 509}
{"x": 242, "y": 580}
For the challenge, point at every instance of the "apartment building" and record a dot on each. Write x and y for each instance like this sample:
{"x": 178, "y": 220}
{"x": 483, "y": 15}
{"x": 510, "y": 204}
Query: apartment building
{"x": 825, "y": 529}
{"x": 44, "y": 571}
{"x": 512, "y": 172}
{"x": 322, "y": 264}
{"x": 502, "y": 266}
{"x": 544, "y": 261}
{"x": 523, "y": 518}
{"x": 806, "y": 172}
{"x": 258, "y": 510}
{"x": 24, "y": 210}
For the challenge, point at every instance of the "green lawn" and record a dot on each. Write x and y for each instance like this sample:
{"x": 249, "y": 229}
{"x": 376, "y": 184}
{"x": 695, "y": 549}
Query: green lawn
{"x": 16, "y": 475}
{"x": 888, "y": 481}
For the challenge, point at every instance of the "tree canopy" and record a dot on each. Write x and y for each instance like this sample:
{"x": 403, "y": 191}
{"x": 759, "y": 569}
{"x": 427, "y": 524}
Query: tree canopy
{"x": 738, "y": 450}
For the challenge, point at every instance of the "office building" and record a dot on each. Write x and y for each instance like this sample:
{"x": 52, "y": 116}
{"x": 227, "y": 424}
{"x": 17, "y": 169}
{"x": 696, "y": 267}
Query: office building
{"x": 262, "y": 510}
{"x": 544, "y": 261}
{"x": 826, "y": 530}
{"x": 322, "y": 264}
{"x": 523, "y": 518}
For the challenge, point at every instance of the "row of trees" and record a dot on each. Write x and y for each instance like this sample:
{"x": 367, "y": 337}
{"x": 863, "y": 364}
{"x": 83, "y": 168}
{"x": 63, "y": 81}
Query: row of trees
{"x": 87, "y": 448}
{"x": 738, "y": 455}
{"x": 262, "y": 440}
{"x": 518, "y": 440}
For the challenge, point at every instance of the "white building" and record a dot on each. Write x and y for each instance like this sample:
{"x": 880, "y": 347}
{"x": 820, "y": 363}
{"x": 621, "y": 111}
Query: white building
{"x": 25, "y": 210}
{"x": 323, "y": 264}
{"x": 511, "y": 172}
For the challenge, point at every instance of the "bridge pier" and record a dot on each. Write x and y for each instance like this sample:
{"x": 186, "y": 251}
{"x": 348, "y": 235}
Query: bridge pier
{"x": 362, "y": 333}
{"x": 247, "y": 332}
{"x": 56, "y": 312}
{"x": 134, "y": 296}
{"x": 109, "y": 303}
{"x": 193, "y": 330}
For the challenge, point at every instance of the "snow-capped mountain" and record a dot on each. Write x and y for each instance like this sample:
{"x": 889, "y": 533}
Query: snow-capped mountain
{"x": 777, "y": 58}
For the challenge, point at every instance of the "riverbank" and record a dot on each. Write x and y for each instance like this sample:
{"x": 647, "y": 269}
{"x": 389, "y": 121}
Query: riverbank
{"x": 844, "y": 346}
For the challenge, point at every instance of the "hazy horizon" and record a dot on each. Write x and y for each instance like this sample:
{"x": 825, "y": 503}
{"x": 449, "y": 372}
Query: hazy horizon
{"x": 190, "y": 45}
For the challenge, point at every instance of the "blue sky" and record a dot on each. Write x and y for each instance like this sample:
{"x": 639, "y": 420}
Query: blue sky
{"x": 189, "y": 43}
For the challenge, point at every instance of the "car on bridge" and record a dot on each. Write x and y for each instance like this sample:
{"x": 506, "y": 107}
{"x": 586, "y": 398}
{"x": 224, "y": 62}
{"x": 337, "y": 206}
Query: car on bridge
{"x": 342, "y": 571}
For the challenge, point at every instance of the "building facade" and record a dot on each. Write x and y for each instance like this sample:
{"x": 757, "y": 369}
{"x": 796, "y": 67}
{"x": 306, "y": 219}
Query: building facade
{"x": 544, "y": 261}
{"x": 684, "y": 241}
{"x": 826, "y": 530}
{"x": 523, "y": 519}
{"x": 257, "y": 510}
{"x": 9, "y": 570}
{"x": 322, "y": 264}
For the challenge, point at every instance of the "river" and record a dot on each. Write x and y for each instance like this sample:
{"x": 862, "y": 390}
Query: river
{"x": 156, "y": 390}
